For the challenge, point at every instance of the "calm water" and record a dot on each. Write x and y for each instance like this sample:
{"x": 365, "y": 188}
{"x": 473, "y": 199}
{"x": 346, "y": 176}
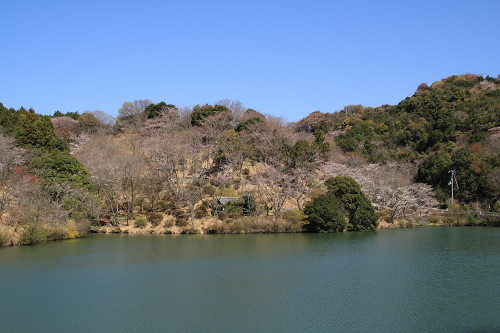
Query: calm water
{"x": 414, "y": 280}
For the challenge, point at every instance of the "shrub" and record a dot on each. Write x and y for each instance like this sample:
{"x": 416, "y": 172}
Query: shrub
{"x": 294, "y": 219}
{"x": 448, "y": 221}
{"x": 177, "y": 212}
{"x": 347, "y": 144}
{"x": 227, "y": 192}
{"x": 164, "y": 204}
{"x": 155, "y": 218}
{"x": 433, "y": 219}
{"x": 204, "y": 206}
{"x": 294, "y": 215}
{"x": 199, "y": 214}
{"x": 385, "y": 214}
{"x": 404, "y": 224}
{"x": 146, "y": 206}
{"x": 232, "y": 207}
{"x": 223, "y": 216}
{"x": 169, "y": 223}
{"x": 234, "y": 215}
{"x": 34, "y": 234}
{"x": 6, "y": 237}
{"x": 141, "y": 221}
{"x": 182, "y": 220}
{"x": 57, "y": 233}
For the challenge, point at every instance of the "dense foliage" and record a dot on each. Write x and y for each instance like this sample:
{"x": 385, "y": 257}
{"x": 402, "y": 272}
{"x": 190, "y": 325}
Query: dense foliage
{"x": 324, "y": 215}
{"x": 200, "y": 112}
{"x": 343, "y": 202}
{"x": 30, "y": 129}
{"x": 59, "y": 167}
{"x": 451, "y": 125}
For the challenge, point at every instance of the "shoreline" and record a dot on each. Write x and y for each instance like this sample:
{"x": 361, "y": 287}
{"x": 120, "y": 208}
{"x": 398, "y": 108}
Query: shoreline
{"x": 10, "y": 236}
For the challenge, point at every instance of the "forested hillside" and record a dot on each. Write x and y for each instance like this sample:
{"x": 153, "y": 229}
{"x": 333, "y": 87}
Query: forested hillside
{"x": 45, "y": 192}
{"x": 244, "y": 171}
{"x": 451, "y": 125}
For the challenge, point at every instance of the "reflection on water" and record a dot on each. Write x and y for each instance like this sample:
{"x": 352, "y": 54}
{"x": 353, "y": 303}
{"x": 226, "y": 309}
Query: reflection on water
{"x": 426, "y": 280}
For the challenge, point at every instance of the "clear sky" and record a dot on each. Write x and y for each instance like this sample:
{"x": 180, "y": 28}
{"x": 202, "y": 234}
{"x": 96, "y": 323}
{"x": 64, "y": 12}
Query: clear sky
{"x": 285, "y": 58}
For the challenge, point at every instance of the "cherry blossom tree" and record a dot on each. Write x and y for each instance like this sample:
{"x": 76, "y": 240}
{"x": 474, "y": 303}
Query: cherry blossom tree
{"x": 387, "y": 186}
{"x": 66, "y": 128}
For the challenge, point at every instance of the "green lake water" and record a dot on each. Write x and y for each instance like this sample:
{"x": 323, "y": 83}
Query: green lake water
{"x": 412, "y": 280}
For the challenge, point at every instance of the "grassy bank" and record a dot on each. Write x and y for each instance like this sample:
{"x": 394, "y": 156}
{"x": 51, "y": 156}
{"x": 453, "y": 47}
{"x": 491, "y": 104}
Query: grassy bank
{"x": 36, "y": 233}
{"x": 226, "y": 224}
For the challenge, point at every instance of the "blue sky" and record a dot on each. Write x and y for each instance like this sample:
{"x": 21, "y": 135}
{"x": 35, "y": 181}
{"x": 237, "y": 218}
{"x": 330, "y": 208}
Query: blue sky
{"x": 285, "y": 58}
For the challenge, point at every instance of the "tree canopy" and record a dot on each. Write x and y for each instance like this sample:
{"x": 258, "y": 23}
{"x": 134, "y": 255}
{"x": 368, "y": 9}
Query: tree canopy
{"x": 345, "y": 199}
{"x": 200, "y": 112}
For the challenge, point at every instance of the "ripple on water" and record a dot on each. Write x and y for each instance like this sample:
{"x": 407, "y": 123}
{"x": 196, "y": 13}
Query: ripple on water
{"x": 416, "y": 280}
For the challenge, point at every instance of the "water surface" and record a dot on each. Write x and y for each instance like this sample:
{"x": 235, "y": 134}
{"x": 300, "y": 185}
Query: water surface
{"x": 412, "y": 280}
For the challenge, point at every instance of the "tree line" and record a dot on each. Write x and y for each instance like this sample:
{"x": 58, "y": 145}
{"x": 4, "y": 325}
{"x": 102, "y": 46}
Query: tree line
{"x": 157, "y": 159}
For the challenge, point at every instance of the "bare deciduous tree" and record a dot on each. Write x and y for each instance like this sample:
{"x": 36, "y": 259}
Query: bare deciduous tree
{"x": 302, "y": 184}
{"x": 130, "y": 109}
{"x": 273, "y": 188}
{"x": 15, "y": 181}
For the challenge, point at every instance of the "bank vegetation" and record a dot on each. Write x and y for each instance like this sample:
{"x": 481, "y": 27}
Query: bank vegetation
{"x": 226, "y": 168}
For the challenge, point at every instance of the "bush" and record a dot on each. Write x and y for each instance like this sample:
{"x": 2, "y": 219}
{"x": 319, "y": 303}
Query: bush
{"x": 6, "y": 237}
{"x": 347, "y": 144}
{"x": 182, "y": 220}
{"x": 199, "y": 214}
{"x": 155, "y": 218}
{"x": 448, "y": 221}
{"x": 404, "y": 224}
{"x": 146, "y": 206}
{"x": 385, "y": 215}
{"x": 169, "y": 223}
{"x": 204, "y": 206}
{"x": 223, "y": 216}
{"x": 164, "y": 204}
{"x": 177, "y": 212}
{"x": 295, "y": 219}
{"x": 232, "y": 207}
{"x": 141, "y": 221}
{"x": 433, "y": 219}
{"x": 34, "y": 234}
{"x": 58, "y": 233}
{"x": 234, "y": 215}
